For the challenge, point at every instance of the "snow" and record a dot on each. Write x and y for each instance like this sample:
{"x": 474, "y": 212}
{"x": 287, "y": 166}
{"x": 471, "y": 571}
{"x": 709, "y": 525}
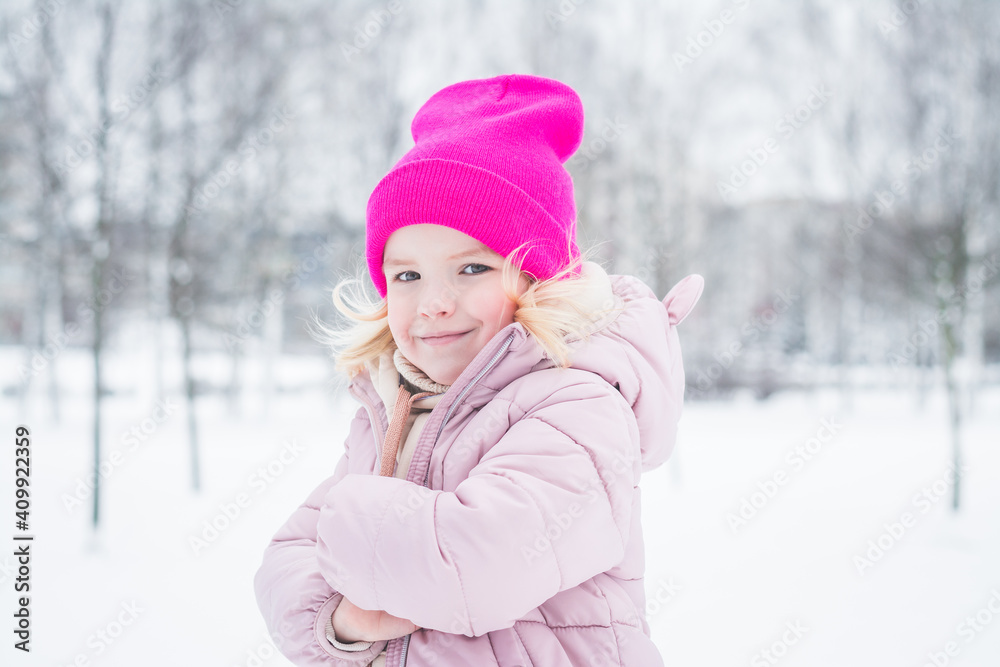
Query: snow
{"x": 787, "y": 581}
{"x": 795, "y": 560}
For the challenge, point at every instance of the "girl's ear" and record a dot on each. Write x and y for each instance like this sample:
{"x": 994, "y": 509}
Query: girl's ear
{"x": 682, "y": 297}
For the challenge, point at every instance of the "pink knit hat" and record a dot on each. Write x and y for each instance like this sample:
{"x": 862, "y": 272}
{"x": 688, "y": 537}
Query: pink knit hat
{"x": 488, "y": 161}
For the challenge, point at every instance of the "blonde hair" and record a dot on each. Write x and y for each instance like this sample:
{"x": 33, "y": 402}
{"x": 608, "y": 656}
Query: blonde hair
{"x": 555, "y": 311}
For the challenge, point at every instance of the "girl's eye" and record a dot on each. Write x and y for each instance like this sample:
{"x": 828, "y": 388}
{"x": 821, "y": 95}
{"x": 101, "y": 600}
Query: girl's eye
{"x": 481, "y": 266}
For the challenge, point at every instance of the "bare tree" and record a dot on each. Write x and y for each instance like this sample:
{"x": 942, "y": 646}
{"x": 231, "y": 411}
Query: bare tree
{"x": 937, "y": 243}
{"x": 38, "y": 71}
{"x": 207, "y": 151}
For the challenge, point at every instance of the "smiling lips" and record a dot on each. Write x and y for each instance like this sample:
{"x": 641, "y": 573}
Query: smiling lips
{"x": 443, "y": 339}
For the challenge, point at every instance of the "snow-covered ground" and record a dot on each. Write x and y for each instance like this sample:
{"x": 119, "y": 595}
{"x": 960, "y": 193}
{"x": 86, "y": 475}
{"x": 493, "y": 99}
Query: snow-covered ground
{"x": 846, "y": 551}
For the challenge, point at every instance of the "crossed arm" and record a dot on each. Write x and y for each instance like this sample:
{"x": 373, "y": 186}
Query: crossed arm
{"x": 383, "y": 556}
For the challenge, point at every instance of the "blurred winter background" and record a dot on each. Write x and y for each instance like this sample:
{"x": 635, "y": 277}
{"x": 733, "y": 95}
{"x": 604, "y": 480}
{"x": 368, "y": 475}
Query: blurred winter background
{"x": 181, "y": 183}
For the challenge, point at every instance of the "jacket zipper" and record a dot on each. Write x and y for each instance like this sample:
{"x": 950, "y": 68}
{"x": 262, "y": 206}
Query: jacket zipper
{"x": 447, "y": 416}
{"x": 468, "y": 387}
{"x": 378, "y": 431}
{"x": 402, "y": 655}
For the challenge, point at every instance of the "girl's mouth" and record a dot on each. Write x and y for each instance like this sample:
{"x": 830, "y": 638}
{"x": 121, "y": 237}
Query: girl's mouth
{"x": 443, "y": 340}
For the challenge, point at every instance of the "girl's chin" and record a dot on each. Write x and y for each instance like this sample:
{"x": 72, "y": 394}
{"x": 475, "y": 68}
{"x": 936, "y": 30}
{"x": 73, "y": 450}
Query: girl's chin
{"x": 441, "y": 376}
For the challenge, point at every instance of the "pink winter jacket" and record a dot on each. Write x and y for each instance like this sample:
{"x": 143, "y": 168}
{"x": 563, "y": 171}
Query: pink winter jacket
{"x": 515, "y": 538}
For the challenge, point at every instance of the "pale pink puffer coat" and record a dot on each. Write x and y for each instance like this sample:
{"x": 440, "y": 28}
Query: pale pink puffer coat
{"x": 515, "y": 538}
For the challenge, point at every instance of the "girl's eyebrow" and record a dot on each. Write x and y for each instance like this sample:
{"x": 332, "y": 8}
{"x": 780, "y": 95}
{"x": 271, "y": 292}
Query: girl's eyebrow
{"x": 475, "y": 252}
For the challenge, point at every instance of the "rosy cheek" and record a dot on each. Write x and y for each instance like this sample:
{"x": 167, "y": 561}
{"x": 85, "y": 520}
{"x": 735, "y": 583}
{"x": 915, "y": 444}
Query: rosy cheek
{"x": 401, "y": 336}
{"x": 396, "y": 329}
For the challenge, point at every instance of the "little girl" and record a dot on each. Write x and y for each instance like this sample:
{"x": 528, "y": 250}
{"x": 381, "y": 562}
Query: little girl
{"x": 486, "y": 508}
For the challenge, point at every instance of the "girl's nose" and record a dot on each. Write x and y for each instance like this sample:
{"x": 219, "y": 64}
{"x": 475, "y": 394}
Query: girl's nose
{"x": 438, "y": 300}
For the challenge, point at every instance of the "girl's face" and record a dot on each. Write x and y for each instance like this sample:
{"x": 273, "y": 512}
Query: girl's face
{"x": 445, "y": 297}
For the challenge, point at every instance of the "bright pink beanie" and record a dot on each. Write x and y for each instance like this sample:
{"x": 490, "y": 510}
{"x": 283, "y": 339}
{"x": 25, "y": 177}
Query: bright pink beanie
{"x": 488, "y": 161}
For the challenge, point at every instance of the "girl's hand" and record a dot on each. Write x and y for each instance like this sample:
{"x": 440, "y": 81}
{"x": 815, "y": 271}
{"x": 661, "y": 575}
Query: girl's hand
{"x": 354, "y": 624}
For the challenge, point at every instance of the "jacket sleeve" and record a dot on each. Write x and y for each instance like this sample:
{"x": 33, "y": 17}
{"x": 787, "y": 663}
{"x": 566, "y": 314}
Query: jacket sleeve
{"x": 546, "y": 508}
{"x": 295, "y": 599}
